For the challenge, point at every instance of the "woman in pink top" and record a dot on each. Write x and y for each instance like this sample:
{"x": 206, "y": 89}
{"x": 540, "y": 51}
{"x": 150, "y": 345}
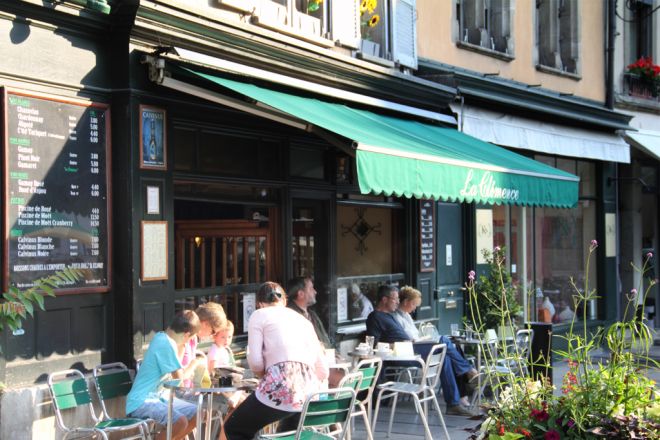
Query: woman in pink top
{"x": 284, "y": 351}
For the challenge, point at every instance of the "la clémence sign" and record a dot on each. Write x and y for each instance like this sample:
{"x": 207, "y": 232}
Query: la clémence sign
{"x": 487, "y": 188}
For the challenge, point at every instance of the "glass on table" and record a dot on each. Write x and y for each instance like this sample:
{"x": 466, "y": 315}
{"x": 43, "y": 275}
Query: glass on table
{"x": 454, "y": 330}
{"x": 370, "y": 342}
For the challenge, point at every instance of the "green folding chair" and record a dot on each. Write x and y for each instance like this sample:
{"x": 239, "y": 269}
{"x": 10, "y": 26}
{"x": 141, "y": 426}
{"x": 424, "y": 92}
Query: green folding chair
{"x": 69, "y": 391}
{"x": 370, "y": 371}
{"x": 114, "y": 381}
{"x": 325, "y": 416}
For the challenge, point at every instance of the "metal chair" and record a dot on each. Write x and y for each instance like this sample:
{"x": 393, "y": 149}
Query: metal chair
{"x": 370, "y": 371}
{"x": 69, "y": 390}
{"x": 321, "y": 412}
{"x": 421, "y": 392}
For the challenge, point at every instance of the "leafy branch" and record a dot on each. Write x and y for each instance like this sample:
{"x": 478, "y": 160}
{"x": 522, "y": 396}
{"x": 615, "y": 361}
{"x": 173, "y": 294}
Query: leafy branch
{"x": 19, "y": 304}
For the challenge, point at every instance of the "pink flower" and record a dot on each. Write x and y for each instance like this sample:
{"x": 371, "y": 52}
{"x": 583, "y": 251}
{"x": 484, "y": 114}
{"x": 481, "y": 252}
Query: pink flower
{"x": 632, "y": 295}
{"x": 594, "y": 244}
{"x": 497, "y": 249}
{"x": 649, "y": 255}
{"x": 471, "y": 275}
{"x": 551, "y": 435}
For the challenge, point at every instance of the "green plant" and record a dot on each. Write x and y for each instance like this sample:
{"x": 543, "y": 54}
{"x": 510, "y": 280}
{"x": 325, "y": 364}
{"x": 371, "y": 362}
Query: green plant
{"x": 611, "y": 399}
{"x": 18, "y": 304}
{"x": 368, "y": 17}
{"x": 495, "y": 304}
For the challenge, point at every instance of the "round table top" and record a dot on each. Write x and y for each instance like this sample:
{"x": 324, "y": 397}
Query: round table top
{"x": 178, "y": 384}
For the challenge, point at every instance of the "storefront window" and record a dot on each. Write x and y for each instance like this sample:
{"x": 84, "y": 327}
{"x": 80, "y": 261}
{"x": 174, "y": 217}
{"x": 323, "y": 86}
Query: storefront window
{"x": 367, "y": 256}
{"x": 561, "y": 246}
{"x": 547, "y": 247}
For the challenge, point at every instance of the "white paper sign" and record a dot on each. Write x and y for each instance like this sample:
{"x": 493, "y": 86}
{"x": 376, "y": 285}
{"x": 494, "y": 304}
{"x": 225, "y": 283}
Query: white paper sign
{"x": 610, "y": 235}
{"x": 484, "y": 233}
{"x": 448, "y": 256}
{"x": 153, "y": 200}
{"x": 249, "y": 306}
{"x": 342, "y": 304}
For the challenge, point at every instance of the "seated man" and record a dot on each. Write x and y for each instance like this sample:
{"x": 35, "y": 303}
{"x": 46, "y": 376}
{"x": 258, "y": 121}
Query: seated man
{"x": 383, "y": 326}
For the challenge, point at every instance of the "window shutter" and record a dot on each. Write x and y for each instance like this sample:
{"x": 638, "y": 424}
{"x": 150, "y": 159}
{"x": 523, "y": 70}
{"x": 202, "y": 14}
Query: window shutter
{"x": 346, "y": 22}
{"x": 404, "y": 33}
{"x": 272, "y": 14}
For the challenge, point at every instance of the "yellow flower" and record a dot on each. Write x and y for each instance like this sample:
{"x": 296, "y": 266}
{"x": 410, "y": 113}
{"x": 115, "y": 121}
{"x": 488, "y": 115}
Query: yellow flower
{"x": 374, "y": 20}
{"x": 371, "y": 5}
{"x": 363, "y": 6}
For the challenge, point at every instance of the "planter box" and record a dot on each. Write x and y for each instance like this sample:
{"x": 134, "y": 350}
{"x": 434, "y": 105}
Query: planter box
{"x": 370, "y": 48}
{"x": 640, "y": 87}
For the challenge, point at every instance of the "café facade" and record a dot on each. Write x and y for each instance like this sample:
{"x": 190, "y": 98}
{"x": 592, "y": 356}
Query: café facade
{"x": 176, "y": 152}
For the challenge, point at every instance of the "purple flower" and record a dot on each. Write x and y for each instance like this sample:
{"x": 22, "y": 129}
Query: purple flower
{"x": 497, "y": 249}
{"x": 649, "y": 255}
{"x": 570, "y": 423}
{"x": 471, "y": 275}
{"x": 594, "y": 243}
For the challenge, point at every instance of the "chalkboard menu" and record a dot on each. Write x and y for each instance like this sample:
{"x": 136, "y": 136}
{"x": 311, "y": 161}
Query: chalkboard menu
{"x": 426, "y": 236}
{"x": 56, "y": 200}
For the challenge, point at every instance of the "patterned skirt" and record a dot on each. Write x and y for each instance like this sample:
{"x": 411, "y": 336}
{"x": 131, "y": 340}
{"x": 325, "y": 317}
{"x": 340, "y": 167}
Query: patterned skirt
{"x": 285, "y": 386}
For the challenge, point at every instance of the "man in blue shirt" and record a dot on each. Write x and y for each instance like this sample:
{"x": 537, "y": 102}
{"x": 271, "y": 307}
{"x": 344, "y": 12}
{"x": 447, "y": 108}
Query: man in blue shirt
{"x": 382, "y": 325}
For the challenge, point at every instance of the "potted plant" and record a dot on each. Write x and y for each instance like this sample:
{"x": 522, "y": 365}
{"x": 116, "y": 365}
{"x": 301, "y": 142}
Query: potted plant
{"x": 643, "y": 78}
{"x": 612, "y": 399}
{"x": 368, "y": 21}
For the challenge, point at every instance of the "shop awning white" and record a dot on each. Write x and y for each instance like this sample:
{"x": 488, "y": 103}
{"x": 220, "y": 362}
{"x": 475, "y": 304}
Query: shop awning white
{"x": 646, "y": 140}
{"x": 543, "y": 137}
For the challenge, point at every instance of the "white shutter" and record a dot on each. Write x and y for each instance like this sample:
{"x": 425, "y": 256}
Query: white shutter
{"x": 242, "y": 5}
{"x": 404, "y": 33}
{"x": 346, "y": 22}
{"x": 272, "y": 14}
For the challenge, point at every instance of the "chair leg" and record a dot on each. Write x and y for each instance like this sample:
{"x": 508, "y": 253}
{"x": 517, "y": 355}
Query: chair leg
{"x": 395, "y": 397}
{"x": 376, "y": 410}
{"x": 367, "y": 426}
{"x": 420, "y": 411}
{"x": 442, "y": 419}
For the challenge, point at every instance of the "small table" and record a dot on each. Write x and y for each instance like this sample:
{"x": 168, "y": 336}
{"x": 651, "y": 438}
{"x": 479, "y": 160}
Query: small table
{"x": 203, "y": 394}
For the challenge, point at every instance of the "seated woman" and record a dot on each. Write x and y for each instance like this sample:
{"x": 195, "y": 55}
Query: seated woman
{"x": 391, "y": 322}
{"x": 284, "y": 351}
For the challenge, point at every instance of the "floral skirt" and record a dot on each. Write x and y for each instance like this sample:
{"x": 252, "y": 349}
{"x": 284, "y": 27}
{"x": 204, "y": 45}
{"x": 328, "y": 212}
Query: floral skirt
{"x": 285, "y": 386}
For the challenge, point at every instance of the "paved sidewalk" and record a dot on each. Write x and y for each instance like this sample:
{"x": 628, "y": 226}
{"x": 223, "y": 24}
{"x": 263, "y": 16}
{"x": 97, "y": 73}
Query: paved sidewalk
{"x": 408, "y": 426}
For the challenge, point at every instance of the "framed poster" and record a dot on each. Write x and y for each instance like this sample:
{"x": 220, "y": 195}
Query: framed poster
{"x": 426, "y": 236}
{"x": 153, "y": 138}
{"x": 154, "y": 251}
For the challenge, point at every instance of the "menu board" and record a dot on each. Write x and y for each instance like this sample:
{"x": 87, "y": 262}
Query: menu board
{"x": 56, "y": 200}
{"x": 426, "y": 235}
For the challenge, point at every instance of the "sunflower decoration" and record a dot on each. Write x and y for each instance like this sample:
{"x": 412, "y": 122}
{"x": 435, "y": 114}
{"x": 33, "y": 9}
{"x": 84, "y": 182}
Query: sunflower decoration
{"x": 368, "y": 13}
{"x": 313, "y": 5}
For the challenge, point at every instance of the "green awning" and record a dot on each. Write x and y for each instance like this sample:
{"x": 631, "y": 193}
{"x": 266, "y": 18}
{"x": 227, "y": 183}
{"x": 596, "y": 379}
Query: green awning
{"x": 413, "y": 159}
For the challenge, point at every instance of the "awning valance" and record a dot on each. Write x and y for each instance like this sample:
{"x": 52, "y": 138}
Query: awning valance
{"x": 541, "y": 136}
{"x": 645, "y": 140}
{"x": 414, "y": 159}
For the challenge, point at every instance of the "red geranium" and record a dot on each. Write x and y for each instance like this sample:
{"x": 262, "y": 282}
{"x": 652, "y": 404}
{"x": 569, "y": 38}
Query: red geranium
{"x": 645, "y": 68}
{"x": 551, "y": 435}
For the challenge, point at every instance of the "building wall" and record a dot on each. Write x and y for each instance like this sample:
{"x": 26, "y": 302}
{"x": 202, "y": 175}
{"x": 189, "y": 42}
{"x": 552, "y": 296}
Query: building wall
{"x": 438, "y": 33}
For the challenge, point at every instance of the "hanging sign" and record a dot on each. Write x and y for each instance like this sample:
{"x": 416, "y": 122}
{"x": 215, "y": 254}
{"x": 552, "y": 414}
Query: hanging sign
{"x": 426, "y": 235}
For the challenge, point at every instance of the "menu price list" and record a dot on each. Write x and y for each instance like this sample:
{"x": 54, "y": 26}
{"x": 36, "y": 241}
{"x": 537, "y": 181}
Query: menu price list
{"x": 56, "y": 190}
{"x": 426, "y": 235}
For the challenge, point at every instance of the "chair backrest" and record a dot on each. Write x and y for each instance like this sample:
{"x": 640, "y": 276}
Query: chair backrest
{"x": 370, "y": 369}
{"x": 68, "y": 389}
{"x": 327, "y": 408}
{"x": 112, "y": 381}
{"x": 433, "y": 365}
{"x": 351, "y": 380}
{"x": 524, "y": 342}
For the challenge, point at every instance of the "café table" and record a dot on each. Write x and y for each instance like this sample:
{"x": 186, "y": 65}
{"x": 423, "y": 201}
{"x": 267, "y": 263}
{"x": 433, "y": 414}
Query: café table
{"x": 204, "y": 402}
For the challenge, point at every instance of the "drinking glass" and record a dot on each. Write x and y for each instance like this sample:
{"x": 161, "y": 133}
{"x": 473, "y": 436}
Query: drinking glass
{"x": 454, "y": 329}
{"x": 370, "y": 342}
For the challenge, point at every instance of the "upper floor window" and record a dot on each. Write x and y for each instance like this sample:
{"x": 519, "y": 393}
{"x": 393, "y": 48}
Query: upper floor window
{"x": 557, "y": 34}
{"x": 640, "y": 29}
{"x": 487, "y": 24}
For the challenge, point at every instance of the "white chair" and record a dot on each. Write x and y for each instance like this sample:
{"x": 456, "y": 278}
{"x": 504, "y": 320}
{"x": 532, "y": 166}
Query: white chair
{"x": 369, "y": 371}
{"x": 421, "y": 392}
